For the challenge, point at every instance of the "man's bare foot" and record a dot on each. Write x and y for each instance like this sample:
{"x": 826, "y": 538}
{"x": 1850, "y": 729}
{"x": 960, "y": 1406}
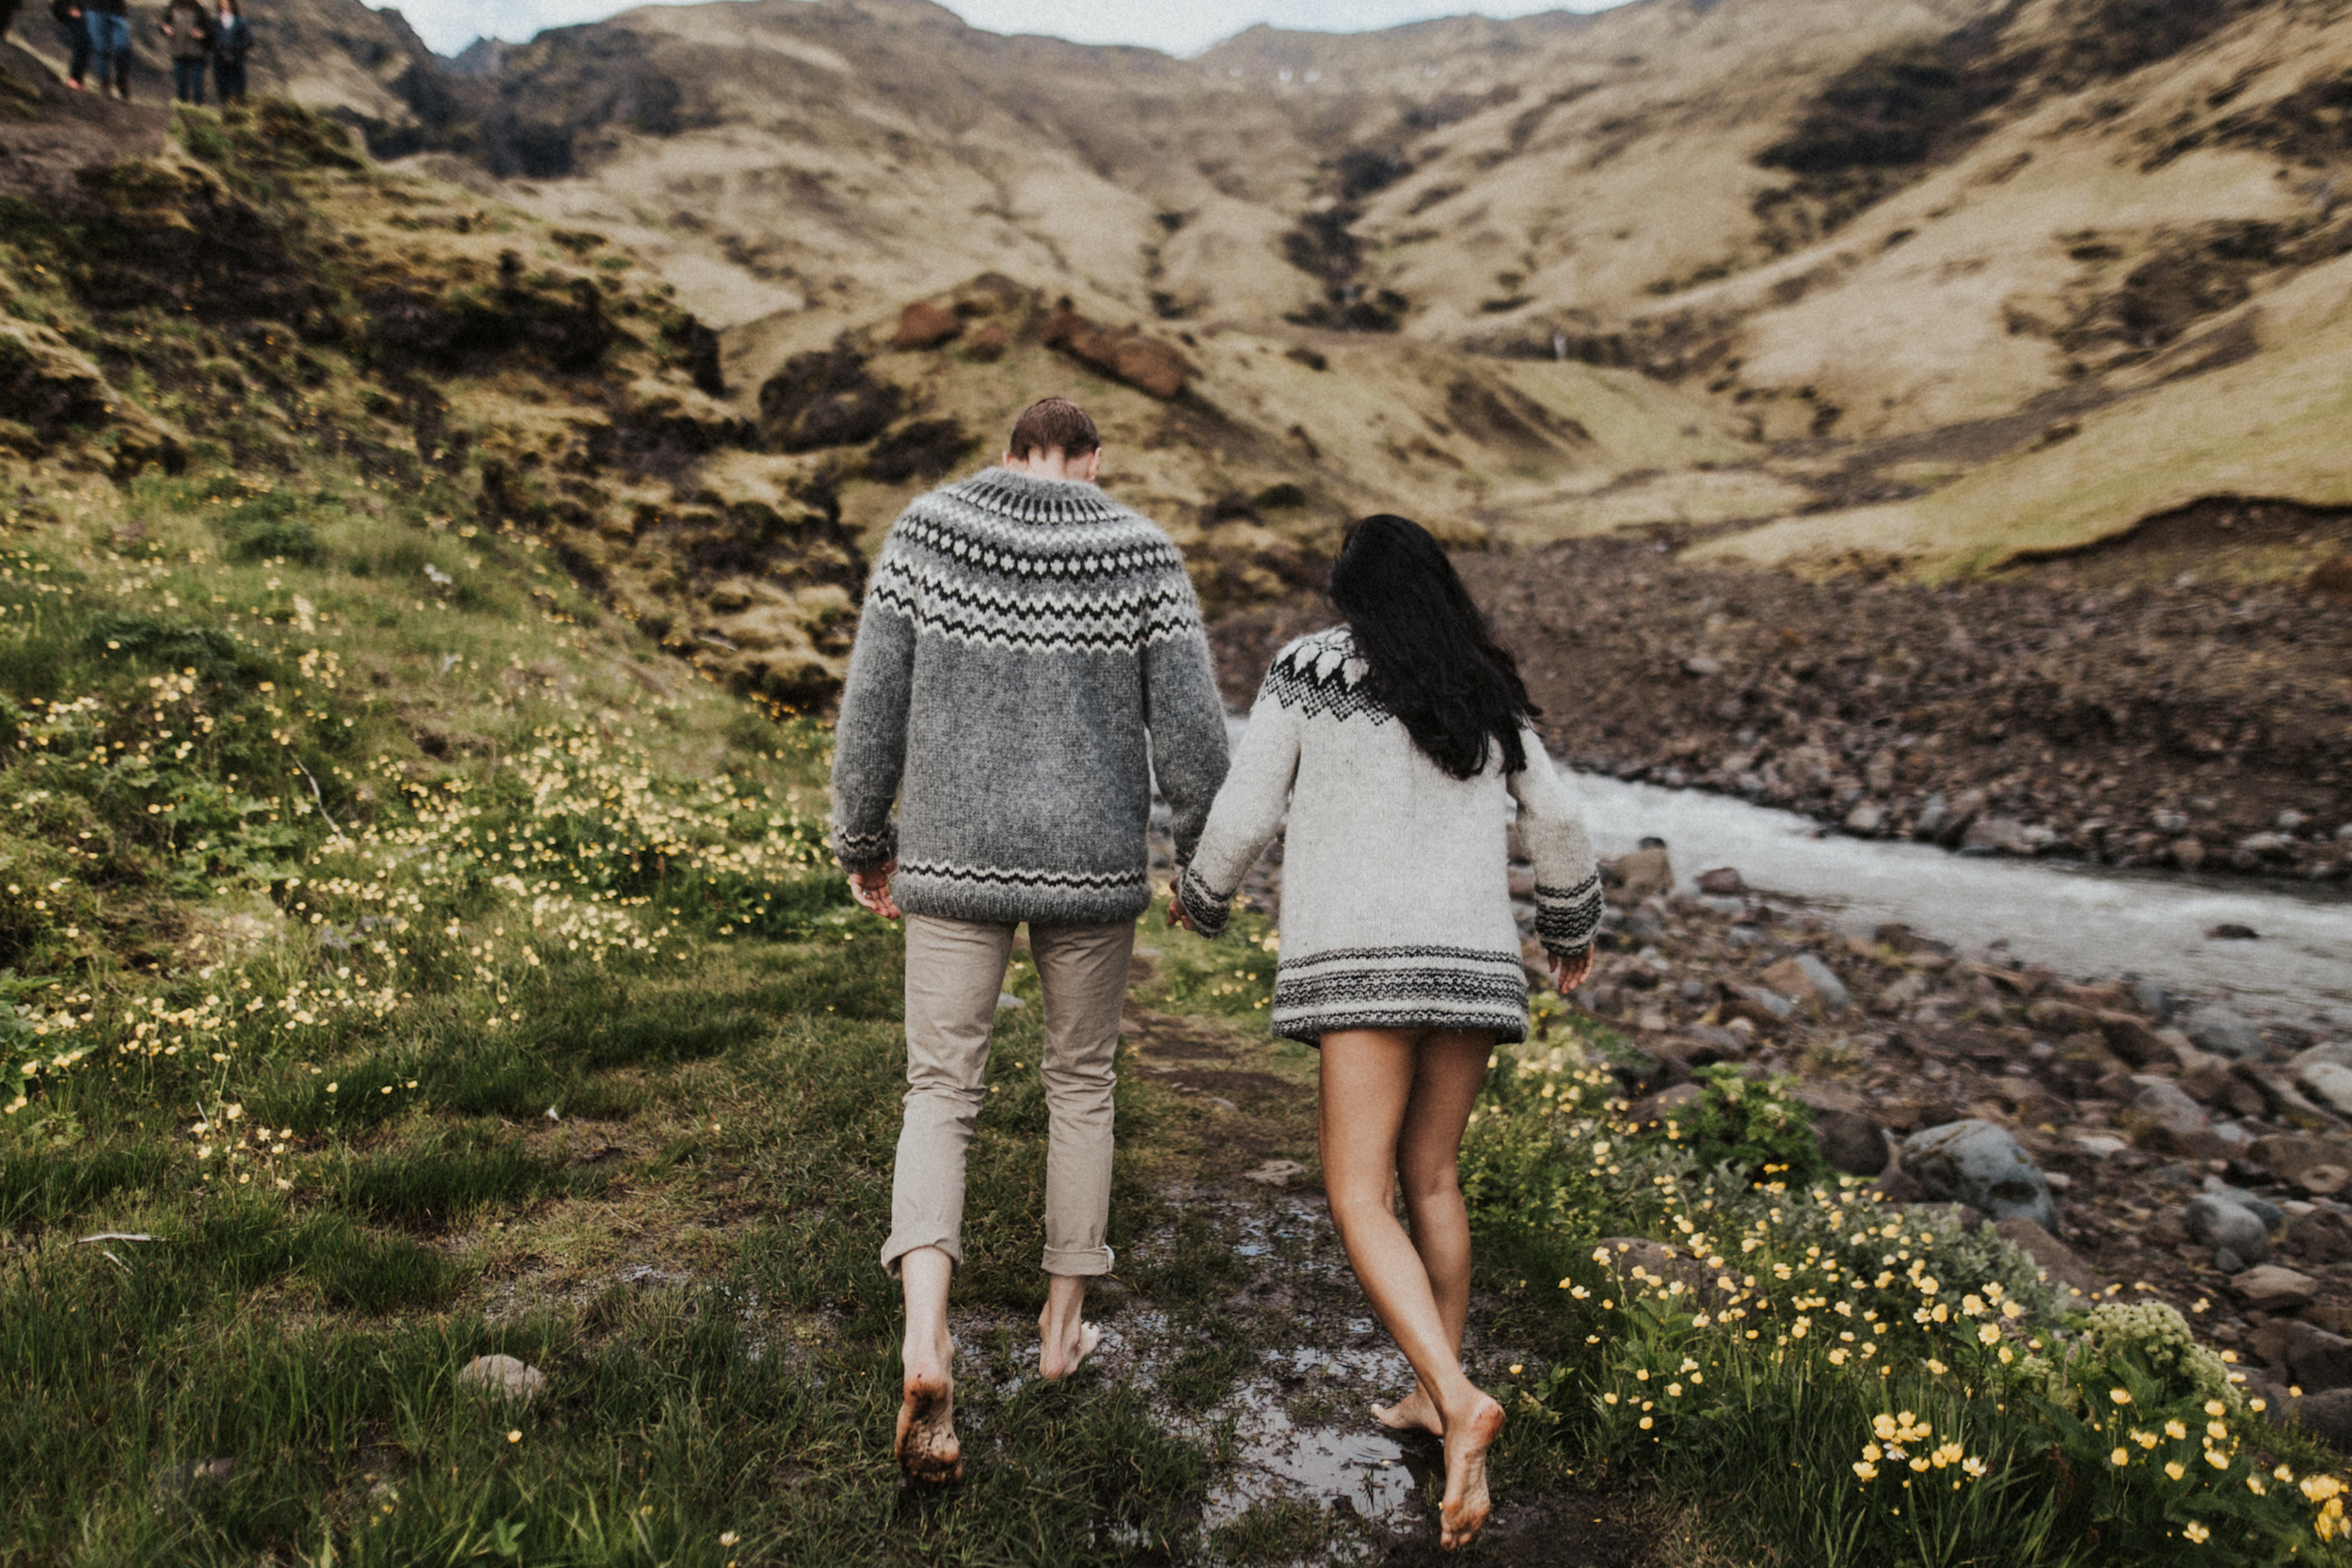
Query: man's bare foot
{"x": 1415, "y": 1412}
{"x": 1463, "y": 1513}
{"x": 927, "y": 1447}
{"x": 1061, "y": 1356}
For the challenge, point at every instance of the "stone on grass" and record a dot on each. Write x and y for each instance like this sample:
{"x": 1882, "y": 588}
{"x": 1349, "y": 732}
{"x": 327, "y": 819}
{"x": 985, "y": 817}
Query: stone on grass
{"x": 2059, "y": 1264}
{"x": 1723, "y": 883}
{"x": 2273, "y": 1288}
{"x": 1275, "y": 1173}
{"x": 2100, "y": 1144}
{"x": 1806, "y": 978}
{"x": 503, "y": 1376}
{"x": 2224, "y": 1032}
{"x": 1851, "y": 1142}
{"x": 2214, "y": 1221}
{"x": 175, "y": 1480}
{"x": 1979, "y": 1165}
{"x": 923, "y": 325}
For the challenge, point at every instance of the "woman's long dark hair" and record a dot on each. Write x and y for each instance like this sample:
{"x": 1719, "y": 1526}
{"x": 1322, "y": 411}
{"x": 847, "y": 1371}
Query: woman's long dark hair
{"x": 1432, "y": 662}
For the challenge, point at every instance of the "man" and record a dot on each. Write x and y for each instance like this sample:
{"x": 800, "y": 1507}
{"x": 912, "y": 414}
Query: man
{"x": 75, "y": 26}
{"x": 110, "y": 44}
{"x": 188, "y": 32}
{"x": 1024, "y": 636}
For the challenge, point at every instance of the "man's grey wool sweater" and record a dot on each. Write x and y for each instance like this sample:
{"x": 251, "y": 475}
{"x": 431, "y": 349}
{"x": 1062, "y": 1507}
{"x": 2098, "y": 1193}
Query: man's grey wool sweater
{"x": 1021, "y": 637}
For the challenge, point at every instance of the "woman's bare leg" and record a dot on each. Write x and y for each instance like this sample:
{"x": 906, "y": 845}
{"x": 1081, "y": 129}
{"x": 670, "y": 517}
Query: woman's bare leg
{"x": 1452, "y": 1070}
{"x": 1368, "y": 1080}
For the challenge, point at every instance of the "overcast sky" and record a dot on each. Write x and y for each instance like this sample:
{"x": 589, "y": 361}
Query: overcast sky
{"x": 1178, "y": 27}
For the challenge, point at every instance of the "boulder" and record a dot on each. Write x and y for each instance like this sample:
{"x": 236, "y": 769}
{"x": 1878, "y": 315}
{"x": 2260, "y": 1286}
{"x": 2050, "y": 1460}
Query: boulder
{"x": 1979, "y": 1165}
{"x": 2336, "y": 1052}
{"x": 2291, "y": 1156}
{"x": 2214, "y": 1222}
{"x": 1656, "y": 1108}
{"x": 2153, "y": 999}
{"x": 2059, "y": 1264}
{"x": 2224, "y": 1032}
{"x": 503, "y": 1376}
{"x": 987, "y": 345}
{"x": 2131, "y": 1037}
{"x": 1995, "y": 836}
{"x": 2330, "y": 1085}
{"x": 1146, "y": 364}
{"x": 1851, "y": 1142}
{"x": 1646, "y": 872}
{"x": 1805, "y": 979}
{"x": 2320, "y": 1360}
{"x": 2166, "y": 1118}
{"x": 1723, "y": 883}
{"x": 923, "y": 325}
{"x": 2327, "y": 1416}
{"x": 2273, "y": 1288}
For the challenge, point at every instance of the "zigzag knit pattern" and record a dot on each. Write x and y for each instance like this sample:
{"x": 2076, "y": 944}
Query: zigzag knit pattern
{"x": 1323, "y": 674}
{"x": 989, "y": 562}
{"x": 1030, "y": 655}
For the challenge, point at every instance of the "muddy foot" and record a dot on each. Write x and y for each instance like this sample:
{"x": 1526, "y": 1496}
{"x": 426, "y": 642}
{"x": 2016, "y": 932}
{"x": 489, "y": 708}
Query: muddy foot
{"x": 1463, "y": 1513}
{"x": 1415, "y": 1412}
{"x": 927, "y": 1447}
{"x": 1057, "y": 1361}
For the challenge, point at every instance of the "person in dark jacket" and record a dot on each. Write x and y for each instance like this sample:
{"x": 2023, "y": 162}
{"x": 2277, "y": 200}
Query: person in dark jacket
{"x": 75, "y": 26}
{"x": 233, "y": 40}
{"x": 188, "y": 33}
{"x": 110, "y": 43}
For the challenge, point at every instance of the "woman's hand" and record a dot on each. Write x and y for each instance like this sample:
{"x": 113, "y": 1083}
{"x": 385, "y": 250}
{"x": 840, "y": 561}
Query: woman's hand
{"x": 1568, "y": 974}
{"x": 1176, "y": 915}
{"x": 872, "y": 889}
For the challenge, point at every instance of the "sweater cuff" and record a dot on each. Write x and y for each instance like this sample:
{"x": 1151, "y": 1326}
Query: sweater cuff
{"x": 1565, "y": 918}
{"x": 865, "y": 851}
{"x": 1206, "y": 909}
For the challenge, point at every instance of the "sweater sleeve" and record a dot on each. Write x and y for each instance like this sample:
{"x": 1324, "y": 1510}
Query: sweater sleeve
{"x": 1187, "y": 720}
{"x": 870, "y": 739}
{"x": 1247, "y": 814}
{"x": 1551, "y": 829}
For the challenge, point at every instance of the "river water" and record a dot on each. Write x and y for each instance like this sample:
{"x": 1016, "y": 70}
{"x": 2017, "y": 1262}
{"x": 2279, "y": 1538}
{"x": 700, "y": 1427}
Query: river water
{"x": 2082, "y": 921}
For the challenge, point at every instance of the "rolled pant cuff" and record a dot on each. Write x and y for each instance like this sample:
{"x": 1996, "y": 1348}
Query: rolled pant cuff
{"x": 1079, "y": 1261}
{"x": 897, "y": 1247}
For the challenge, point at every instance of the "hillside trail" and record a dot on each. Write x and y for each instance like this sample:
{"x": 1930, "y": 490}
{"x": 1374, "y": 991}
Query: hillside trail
{"x": 1244, "y": 1312}
{"x": 49, "y": 133}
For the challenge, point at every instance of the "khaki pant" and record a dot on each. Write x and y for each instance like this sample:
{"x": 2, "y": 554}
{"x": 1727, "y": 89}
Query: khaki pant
{"x": 955, "y": 972}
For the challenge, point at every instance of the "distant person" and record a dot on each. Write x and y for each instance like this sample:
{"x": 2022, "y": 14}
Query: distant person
{"x": 110, "y": 44}
{"x": 1396, "y": 744}
{"x": 188, "y": 32}
{"x": 1030, "y": 657}
{"x": 75, "y": 26}
{"x": 8, "y": 17}
{"x": 232, "y": 40}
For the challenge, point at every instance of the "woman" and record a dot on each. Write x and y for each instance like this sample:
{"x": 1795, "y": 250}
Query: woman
{"x": 232, "y": 40}
{"x": 188, "y": 33}
{"x": 1395, "y": 742}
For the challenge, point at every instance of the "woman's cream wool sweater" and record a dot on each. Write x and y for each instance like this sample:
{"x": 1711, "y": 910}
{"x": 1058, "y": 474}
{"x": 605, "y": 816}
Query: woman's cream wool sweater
{"x": 1396, "y": 905}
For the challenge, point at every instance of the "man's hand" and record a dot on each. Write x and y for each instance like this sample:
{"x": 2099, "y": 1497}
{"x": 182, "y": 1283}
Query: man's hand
{"x": 872, "y": 889}
{"x": 1568, "y": 974}
{"x": 1176, "y": 915}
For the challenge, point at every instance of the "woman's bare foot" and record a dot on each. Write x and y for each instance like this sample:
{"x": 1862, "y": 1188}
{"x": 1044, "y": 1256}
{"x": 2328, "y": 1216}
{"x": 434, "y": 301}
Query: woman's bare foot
{"x": 1463, "y": 1513}
{"x": 1415, "y": 1412}
{"x": 927, "y": 1447}
{"x": 1059, "y": 1356}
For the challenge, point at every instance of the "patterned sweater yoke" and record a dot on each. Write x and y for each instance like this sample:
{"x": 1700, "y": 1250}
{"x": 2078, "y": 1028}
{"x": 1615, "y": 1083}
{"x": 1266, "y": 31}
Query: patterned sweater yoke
{"x": 1029, "y": 654}
{"x": 1397, "y": 911}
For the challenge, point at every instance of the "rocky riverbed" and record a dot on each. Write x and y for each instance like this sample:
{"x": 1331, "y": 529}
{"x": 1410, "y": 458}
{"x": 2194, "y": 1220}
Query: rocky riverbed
{"x": 2137, "y": 1143}
{"x": 2118, "y": 706}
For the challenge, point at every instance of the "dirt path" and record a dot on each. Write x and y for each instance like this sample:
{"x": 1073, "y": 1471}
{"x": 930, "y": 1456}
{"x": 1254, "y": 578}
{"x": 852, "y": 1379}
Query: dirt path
{"x": 1238, "y": 1308}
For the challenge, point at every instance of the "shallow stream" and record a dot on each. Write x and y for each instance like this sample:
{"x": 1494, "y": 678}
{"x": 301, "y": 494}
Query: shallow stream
{"x": 2083, "y": 921}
